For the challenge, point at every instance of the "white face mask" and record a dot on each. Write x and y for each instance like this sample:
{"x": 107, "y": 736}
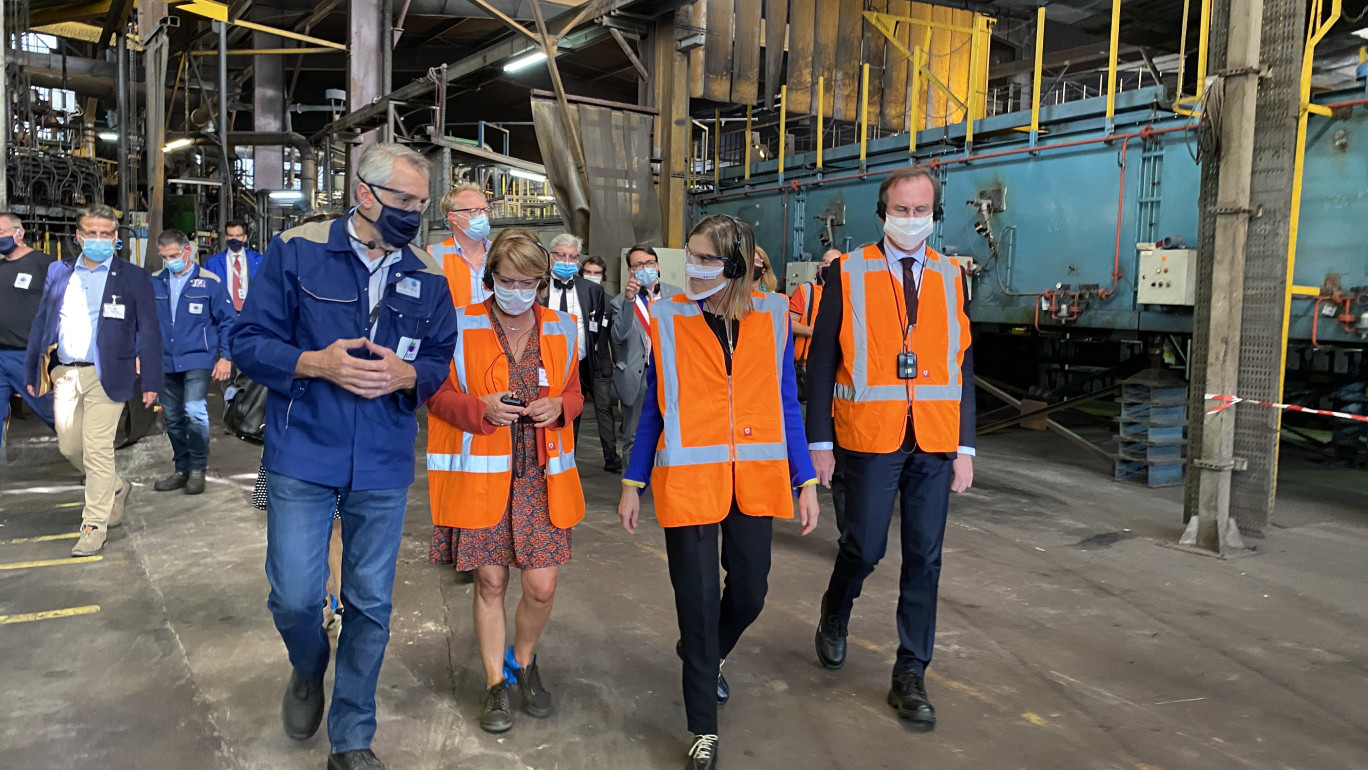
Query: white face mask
{"x": 907, "y": 233}
{"x": 514, "y": 301}
{"x": 702, "y": 273}
{"x": 593, "y": 278}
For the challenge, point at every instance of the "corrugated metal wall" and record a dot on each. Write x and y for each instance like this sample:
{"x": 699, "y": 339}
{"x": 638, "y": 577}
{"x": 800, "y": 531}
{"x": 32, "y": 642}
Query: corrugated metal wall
{"x": 831, "y": 39}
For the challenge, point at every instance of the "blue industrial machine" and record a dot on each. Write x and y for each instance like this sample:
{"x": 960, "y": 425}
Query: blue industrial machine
{"x": 1090, "y": 230}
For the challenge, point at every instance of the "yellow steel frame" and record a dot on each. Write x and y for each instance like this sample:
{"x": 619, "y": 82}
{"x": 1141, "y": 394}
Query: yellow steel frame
{"x": 748, "y": 141}
{"x": 717, "y": 149}
{"x": 1111, "y": 62}
{"x": 864, "y": 111}
{"x": 821, "y": 103}
{"x": 1180, "y": 105}
{"x": 1035, "y": 76}
{"x": 783, "y": 126}
{"x": 979, "y": 34}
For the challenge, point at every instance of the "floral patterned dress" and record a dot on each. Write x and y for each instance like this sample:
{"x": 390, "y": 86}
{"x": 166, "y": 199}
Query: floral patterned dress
{"x": 525, "y": 537}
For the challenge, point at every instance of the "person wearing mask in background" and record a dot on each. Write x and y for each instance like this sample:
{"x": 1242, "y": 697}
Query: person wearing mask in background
{"x": 807, "y": 297}
{"x": 462, "y": 256}
{"x": 584, "y": 299}
{"x": 501, "y": 468}
{"x": 605, "y": 401}
{"x": 891, "y": 376}
{"x": 351, "y": 329}
{"x": 23, "y": 273}
{"x": 196, "y": 316}
{"x": 721, "y": 378}
{"x": 631, "y": 335}
{"x": 98, "y": 319}
{"x": 762, "y": 274}
{"x": 236, "y": 264}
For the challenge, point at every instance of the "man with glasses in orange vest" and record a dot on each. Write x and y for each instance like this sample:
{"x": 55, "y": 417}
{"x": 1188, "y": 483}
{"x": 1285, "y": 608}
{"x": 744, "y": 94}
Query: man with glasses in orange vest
{"x": 462, "y": 256}
{"x": 891, "y": 380}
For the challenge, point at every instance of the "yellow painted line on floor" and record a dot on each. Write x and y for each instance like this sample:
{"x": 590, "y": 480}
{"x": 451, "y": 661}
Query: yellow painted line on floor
{"x": 1036, "y": 719}
{"x": 49, "y": 562}
{"x": 70, "y": 505}
{"x": 43, "y": 539}
{"x": 89, "y": 609}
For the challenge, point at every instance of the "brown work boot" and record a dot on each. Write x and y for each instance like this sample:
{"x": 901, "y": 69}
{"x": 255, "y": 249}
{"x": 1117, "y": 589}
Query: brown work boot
{"x": 92, "y": 541}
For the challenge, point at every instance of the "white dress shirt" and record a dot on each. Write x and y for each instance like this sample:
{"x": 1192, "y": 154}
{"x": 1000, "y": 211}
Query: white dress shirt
{"x": 238, "y": 260}
{"x": 378, "y": 269}
{"x": 572, "y": 302}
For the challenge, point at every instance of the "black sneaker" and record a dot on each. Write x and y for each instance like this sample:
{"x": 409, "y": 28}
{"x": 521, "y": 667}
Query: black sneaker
{"x": 497, "y": 716}
{"x": 360, "y": 759}
{"x": 908, "y": 696}
{"x": 301, "y": 711}
{"x": 703, "y": 754}
{"x": 536, "y": 701}
{"x": 194, "y": 483}
{"x": 173, "y": 482}
{"x": 612, "y": 464}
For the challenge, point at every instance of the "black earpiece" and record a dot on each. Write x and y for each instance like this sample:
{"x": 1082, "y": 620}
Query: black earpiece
{"x": 937, "y": 213}
{"x": 736, "y": 264}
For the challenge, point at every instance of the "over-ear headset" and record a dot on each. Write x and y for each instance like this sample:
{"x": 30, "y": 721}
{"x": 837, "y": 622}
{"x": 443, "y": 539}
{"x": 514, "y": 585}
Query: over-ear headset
{"x": 736, "y": 265}
{"x": 488, "y": 278}
{"x": 937, "y": 212}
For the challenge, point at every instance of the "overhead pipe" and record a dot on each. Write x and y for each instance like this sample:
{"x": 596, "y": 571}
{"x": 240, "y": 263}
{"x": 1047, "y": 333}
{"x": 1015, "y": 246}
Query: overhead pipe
{"x": 300, "y": 142}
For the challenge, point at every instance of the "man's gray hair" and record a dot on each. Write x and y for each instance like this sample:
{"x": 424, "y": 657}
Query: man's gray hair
{"x": 12, "y": 218}
{"x": 96, "y": 211}
{"x": 566, "y": 239}
{"x": 173, "y": 237}
{"x": 377, "y": 162}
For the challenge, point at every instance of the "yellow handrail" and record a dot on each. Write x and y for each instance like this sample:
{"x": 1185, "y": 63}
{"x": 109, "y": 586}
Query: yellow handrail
{"x": 1039, "y": 65}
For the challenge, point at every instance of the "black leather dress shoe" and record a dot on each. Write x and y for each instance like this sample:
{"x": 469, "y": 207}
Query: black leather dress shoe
{"x": 302, "y": 709}
{"x": 361, "y": 759}
{"x": 831, "y": 641}
{"x": 723, "y": 689}
{"x": 908, "y": 696}
{"x": 612, "y": 464}
{"x": 703, "y": 753}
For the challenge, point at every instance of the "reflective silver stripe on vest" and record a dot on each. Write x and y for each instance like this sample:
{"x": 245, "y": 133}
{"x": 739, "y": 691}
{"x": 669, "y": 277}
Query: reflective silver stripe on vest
{"x": 675, "y": 453}
{"x": 438, "y": 253}
{"x": 855, "y": 268}
{"x": 466, "y": 322}
{"x": 560, "y": 463}
{"x": 567, "y": 328}
{"x": 467, "y": 463}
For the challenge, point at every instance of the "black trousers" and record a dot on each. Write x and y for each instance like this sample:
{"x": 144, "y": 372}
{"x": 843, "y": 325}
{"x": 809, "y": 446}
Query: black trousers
{"x": 874, "y": 483}
{"x": 601, "y": 390}
{"x": 712, "y": 617}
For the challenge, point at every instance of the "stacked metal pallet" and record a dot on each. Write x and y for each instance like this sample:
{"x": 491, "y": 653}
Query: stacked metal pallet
{"x": 1150, "y": 435}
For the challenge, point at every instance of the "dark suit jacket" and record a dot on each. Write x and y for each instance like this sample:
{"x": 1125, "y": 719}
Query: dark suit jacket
{"x": 118, "y": 341}
{"x": 594, "y": 304}
{"x": 218, "y": 264}
{"x": 824, "y": 358}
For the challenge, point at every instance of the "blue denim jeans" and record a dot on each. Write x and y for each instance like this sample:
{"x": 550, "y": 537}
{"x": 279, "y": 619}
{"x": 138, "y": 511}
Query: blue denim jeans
{"x": 12, "y": 381}
{"x": 186, "y": 411}
{"x": 299, "y": 519}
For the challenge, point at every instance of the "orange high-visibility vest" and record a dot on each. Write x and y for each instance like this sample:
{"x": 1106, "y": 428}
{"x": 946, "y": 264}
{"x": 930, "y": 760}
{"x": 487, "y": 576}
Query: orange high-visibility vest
{"x": 467, "y": 287}
{"x": 470, "y": 475}
{"x": 722, "y": 435}
{"x": 809, "y": 297}
{"x": 871, "y": 402}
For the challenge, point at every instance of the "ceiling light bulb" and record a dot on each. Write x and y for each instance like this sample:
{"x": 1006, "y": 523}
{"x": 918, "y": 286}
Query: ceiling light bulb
{"x": 523, "y": 62}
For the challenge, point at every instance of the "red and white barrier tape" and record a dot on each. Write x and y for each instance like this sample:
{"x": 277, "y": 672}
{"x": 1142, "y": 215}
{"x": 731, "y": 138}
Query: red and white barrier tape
{"x": 1228, "y": 401}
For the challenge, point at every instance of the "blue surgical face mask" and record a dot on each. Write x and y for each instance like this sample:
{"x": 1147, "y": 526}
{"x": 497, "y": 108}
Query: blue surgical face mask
{"x": 175, "y": 265}
{"x": 98, "y": 249}
{"x": 478, "y": 229}
{"x": 396, "y": 226}
{"x": 647, "y": 276}
{"x": 564, "y": 270}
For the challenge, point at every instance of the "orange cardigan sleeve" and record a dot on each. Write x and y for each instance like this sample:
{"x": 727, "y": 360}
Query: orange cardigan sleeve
{"x": 462, "y": 409}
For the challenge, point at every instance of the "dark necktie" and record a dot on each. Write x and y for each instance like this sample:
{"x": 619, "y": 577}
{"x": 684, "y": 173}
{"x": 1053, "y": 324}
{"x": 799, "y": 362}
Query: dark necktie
{"x": 564, "y": 294}
{"x": 910, "y": 302}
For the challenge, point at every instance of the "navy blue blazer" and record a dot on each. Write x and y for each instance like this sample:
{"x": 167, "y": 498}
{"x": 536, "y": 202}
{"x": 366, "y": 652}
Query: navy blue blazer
{"x": 204, "y": 317}
{"x": 218, "y": 265}
{"x": 118, "y": 341}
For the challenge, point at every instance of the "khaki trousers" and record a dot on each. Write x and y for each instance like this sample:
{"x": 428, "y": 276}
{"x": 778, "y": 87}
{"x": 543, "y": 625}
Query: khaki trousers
{"x": 86, "y": 422}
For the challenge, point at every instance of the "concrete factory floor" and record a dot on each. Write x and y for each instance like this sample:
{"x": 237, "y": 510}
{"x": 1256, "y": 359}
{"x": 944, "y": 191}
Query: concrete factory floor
{"x": 1070, "y": 637}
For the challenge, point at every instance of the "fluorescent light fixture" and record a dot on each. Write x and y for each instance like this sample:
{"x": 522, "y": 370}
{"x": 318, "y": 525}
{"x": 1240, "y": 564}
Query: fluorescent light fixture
{"x": 286, "y": 196}
{"x": 523, "y": 62}
{"x": 1363, "y": 33}
{"x": 176, "y": 144}
{"x": 532, "y": 175}
{"x": 108, "y": 136}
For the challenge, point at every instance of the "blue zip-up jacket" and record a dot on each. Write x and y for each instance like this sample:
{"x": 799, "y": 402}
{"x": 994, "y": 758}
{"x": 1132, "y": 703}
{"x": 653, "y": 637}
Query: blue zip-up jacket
{"x": 204, "y": 318}
{"x": 309, "y": 293}
{"x": 119, "y": 342}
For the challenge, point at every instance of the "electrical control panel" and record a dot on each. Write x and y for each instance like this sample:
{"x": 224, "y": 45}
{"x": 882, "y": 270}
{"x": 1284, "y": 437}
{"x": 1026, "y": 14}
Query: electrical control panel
{"x": 799, "y": 273}
{"x": 1167, "y": 277}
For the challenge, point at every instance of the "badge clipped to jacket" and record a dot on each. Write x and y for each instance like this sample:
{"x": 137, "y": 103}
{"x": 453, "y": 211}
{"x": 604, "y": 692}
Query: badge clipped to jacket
{"x": 112, "y": 308}
{"x": 408, "y": 348}
{"x": 410, "y": 287}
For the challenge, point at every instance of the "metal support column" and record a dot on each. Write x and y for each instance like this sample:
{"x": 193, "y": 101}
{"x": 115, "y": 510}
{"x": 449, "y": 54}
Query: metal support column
{"x": 122, "y": 105}
{"x": 226, "y": 171}
{"x": 156, "y": 51}
{"x": 4, "y": 113}
{"x": 368, "y": 36}
{"x": 268, "y": 112}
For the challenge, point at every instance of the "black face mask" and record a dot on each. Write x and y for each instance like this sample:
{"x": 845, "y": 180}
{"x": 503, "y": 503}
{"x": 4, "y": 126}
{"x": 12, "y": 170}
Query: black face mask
{"x": 8, "y": 245}
{"x": 236, "y": 244}
{"x": 396, "y": 226}
{"x": 821, "y": 275}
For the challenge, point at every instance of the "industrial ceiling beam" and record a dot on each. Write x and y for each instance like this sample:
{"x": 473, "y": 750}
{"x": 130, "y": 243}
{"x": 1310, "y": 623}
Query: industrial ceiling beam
{"x": 505, "y": 48}
{"x": 117, "y": 20}
{"x": 41, "y": 17}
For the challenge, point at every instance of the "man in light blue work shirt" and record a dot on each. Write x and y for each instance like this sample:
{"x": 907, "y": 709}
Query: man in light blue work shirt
{"x": 196, "y": 316}
{"x": 98, "y": 316}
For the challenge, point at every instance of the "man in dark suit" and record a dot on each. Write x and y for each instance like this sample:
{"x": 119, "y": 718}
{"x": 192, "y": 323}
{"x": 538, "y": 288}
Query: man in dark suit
{"x": 896, "y": 391}
{"x": 236, "y": 264}
{"x": 631, "y": 336}
{"x": 585, "y": 300}
{"x": 96, "y": 322}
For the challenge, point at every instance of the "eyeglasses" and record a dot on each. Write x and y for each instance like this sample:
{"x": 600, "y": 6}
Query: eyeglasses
{"x": 468, "y": 213}
{"x": 645, "y": 265}
{"x": 701, "y": 258}
{"x": 509, "y": 283}
{"x": 559, "y": 257}
{"x": 407, "y": 202}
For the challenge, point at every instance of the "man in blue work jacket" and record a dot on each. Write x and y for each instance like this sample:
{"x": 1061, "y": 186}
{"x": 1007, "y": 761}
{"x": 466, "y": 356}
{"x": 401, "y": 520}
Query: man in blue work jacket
{"x": 97, "y": 319}
{"x": 196, "y": 317}
{"x": 350, "y": 328}
{"x": 237, "y": 264}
